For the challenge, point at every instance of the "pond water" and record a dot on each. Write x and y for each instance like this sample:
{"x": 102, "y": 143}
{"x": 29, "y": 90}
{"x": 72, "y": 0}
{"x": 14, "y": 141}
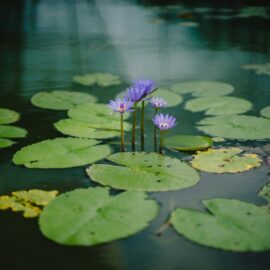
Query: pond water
{"x": 44, "y": 43}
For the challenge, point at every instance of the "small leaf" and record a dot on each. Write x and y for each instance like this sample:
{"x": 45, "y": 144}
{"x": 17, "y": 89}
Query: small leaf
{"x": 12, "y": 132}
{"x": 225, "y": 160}
{"x": 92, "y": 216}
{"x": 265, "y": 112}
{"x": 265, "y": 192}
{"x": 60, "y": 99}
{"x": 188, "y": 142}
{"x": 8, "y": 116}
{"x": 144, "y": 172}
{"x": 6, "y": 143}
{"x": 61, "y": 153}
{"x": 219, "y": 105}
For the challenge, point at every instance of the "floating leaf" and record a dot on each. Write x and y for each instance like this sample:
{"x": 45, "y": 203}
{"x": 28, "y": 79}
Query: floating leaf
{"x": 253, "y": 11}
{"x": 234, "y": 225}
{"x": 265, "y": 192}
{"x": 144, "y": 172}
{"x": 61, "y": 153}
{"x": 61, "y": 99}
{"x": 260, "y": 69}
{"x": 243, "y": 127}
{"x": 83, "y": 130}
{"x": 92, "y": 216}
{"x": 188, "y": 142}
{"x": 225, "y": 160}
{"x": 189, "y": 24}
{"x": 171, "y": 98}
{"x": 6, "y": 143}
{"x": 8, "y": 116}
{"x": 203, "y": 88}
{"x": 27, "y": 201}
{"x": 219, "y": 105}
{"x": 265, "y": 112}
{"x": 12, "y": 132}
{"x": 101, "y": 79}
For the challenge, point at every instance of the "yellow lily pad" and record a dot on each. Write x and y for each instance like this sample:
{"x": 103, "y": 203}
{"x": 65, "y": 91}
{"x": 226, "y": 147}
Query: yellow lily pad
{"x": 225, "y": 160}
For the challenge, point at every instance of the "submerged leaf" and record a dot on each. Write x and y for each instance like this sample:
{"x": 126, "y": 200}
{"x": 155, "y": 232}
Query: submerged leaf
{"x": 61, "y": 99}
{"x": 231, "y": 225}
{"x": 225, "y": 160}
{"x": 12, "y": 132}
{"x": 144, "y": 172}
{"x": 265, "y": 112}
{"x": 188, "y": 142}
{"x": 92, "y": 216}
{"x": 219, "y": 105}
{"x": 61, "y": 153}
{"x": 203, "y": 88}
{"x": 8, "y": 116}
{"x": 243, "y": 127}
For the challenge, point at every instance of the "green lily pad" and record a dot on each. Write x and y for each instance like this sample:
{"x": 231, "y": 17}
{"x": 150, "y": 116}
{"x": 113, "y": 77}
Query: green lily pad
{"x": 8, "y": 116}
{"x": 203, "y": 88}
{"x": 225, "y": 160}
{"x": 188, "y": 142}
{"x": 6, "y": 143}
{"x": 12, "y": 132}
{"x": 144, "y": 172}
{"x": 218, "y": 105}
{"x": 83, "y": 130}
{"x": 265, "y": 192}
{"x": 61, "y": 153}
{"x": 243, "y": 127}
{"x": 171, "y": 98}
{"x": 101, "y": 79}
{"x": 61, "y": 99}
{"x": 260, "y": 69}
{"x": 265, "y": 112}
{"x": 88, "y": 217}
{"x": 231, "y": 225}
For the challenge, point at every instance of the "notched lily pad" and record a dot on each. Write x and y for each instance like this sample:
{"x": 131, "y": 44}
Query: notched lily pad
{"x": 6, "y": 143}
{"x": 188, "y": 142}
{"x": 231, "y": 225}
{"x": 243, "y": 127}
{"x": 92, "y": 216}
{"x": 144, "y": 172}
{"x": 101, "y": 79}
{"x": 203, "y": 88}
{"x": 61, "y": 153}
{"x": 61, "y": 99}
{"x": 8, "y": 116}
{"x": 225, "y": 160}
{"x": 29, "y": 202}
{"x": 219, "y": 105}
{"x": 265, "y": 112}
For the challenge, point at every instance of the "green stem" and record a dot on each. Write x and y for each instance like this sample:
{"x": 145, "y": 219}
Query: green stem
{"x": 155, "y": 133}
{"x": 142, "y": 126}
{"x": 122, "y": 147}
{"x": 161, "y": 142}
{"x": 134, "y": 127}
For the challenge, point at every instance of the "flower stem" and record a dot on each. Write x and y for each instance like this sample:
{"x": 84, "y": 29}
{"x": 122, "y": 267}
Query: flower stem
{"x": 134, "y": 127}
{"x": 161, "y": 142}
{"x": 142, "y": 126}
{"x": 155, "y": 133}
{"x": 122, "y": 147}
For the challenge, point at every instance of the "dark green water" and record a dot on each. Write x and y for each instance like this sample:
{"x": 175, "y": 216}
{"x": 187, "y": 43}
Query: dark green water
{"x": 44, "y": 43}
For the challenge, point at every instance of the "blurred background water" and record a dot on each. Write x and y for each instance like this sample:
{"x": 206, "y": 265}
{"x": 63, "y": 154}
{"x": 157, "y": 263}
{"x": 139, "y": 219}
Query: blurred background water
{"x": 44, "y": 43}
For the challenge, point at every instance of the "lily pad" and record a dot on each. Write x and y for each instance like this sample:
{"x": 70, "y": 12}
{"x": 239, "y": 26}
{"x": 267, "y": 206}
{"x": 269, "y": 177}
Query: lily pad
{"x": 101, "y": 79}
{"x": 243, "y": 127}
{"x": 203, "y": 88}
{"x": 12, "y": 132}
{"x": 265, "y": 192}
{"x": 265, "y": 112}
{"x": 219, "y": 105}
{"x": 61, "y": 99}
{"x": 83, "y": 130}
{"x": 6, "y": 143}
{"x": 61, "y": 153}
{"x": 188, "y": 142}
{"x": 225, "y": 160}
{"x": 260, "y": 69}
{"x": 28, "y": 202}
{"x": 88, "y": 217}
{"x": 231, "y": 225}
{"x": 171, "y": 98}
{"x": 144, "y": 172}
{"x": 8, "y": 116}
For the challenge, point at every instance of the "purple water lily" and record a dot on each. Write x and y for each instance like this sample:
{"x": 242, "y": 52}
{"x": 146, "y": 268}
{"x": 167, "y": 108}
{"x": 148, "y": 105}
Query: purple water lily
{"x": 135, "y": 94}
{"x": 147, "y": 86}
{"x": 121, "y": 105}
{"x": 158, "y": 102}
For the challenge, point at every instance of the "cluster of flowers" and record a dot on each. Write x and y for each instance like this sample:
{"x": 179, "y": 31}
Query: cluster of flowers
{"x": 140, "y": 91}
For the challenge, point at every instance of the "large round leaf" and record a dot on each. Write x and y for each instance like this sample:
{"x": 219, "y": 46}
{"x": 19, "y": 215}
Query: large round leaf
{"x": 83, "y": 130}
{"x": 203, "y": 88}
{"x": 241, "y": 127}
{"x": 6, "y": 143}
{"x": 61, "y": 153}
{"x": 234, "y": 225}
{"x": 171, "y": 98}
{"x": 101, "y": 79}
{"x": 92, "y": 216}
{"x": 144, "y": 172}
{"x": 61, "y": 99}
{"x": 265, "y": 112}
{"x": 188, "y": 142}
{"x": 225, "y": 160}
{"x": 8, "y": 116}
{"x": 218, "y": 105}
{"x": 12, "y": 132}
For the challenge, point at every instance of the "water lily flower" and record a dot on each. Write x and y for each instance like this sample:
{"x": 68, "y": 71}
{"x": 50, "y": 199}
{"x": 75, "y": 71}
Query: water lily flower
{"x": 158, "y": 102}
{"x": 147, "y": 86}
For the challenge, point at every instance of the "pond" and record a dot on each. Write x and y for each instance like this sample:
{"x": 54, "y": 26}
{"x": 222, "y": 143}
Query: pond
{"x": 44, "y": 44}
